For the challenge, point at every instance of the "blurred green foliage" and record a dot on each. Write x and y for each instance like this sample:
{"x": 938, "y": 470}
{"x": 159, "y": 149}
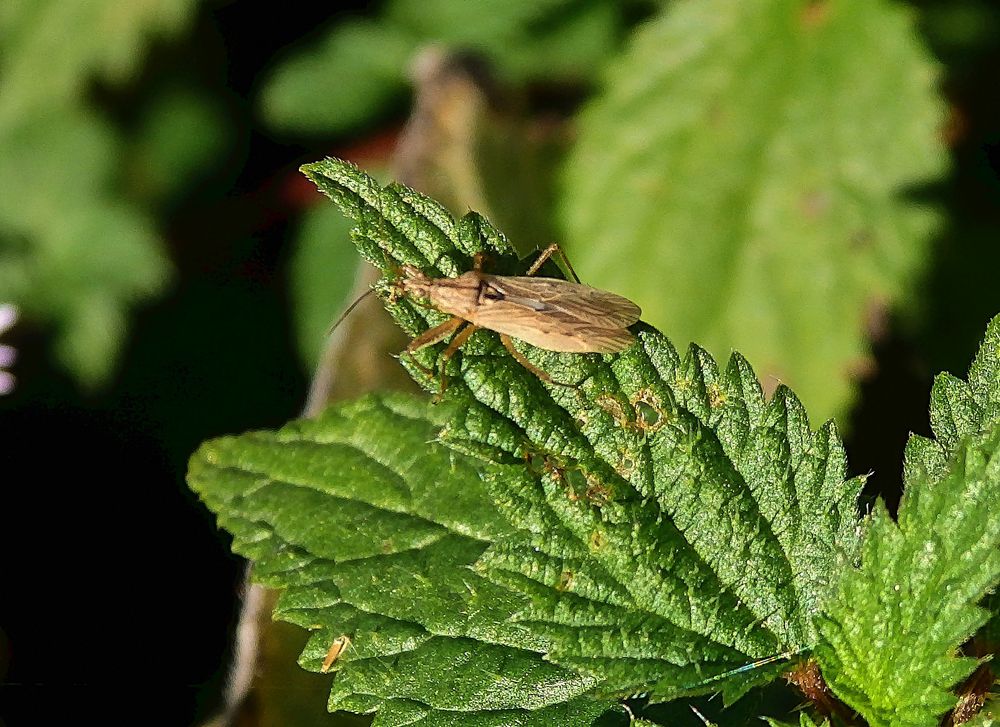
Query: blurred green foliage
{"x": 744, "y": 175}
{"x": 76, "y": 251}
{"x": 358, "y": 69}
{"x": 322, "y": 275}
{"x": 175, "y": 138}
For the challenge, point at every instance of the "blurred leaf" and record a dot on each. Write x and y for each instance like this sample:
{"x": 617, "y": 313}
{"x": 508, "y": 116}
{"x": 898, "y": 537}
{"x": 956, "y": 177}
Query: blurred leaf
{"x": 524, "y": 38}
{"x": 99, "y": 264}
{"x": 182, "y": 137}
{"x": 63, "y": 158}
{"x": 570, "y": 43}
{"x": 52, "y": 48}
{"x": 361, "y": 66}
{"x": 341, "y": 83}
{"x": 71, "y": 252}
{"x": 915, "y": 597}
{"x": 959, "y": 29}
{"x": 743, "y": 176}
{"x": 323, "y": 269}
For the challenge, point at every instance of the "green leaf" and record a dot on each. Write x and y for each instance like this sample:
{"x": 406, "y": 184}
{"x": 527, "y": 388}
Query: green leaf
{"x": 360, "y": 67}
{"x": 804, "y": 721}
{"x": 322, "y": 275}
{"x": 341, "y": 83}
{"x": 183, "y": 136}
{"x": 744, "y": 176}
{"x": 959, "y": 410}
{"x": 52, "y": 48}
{"x": 372, "y": 528}
{"x": 671, "y": 524}
{"x": 989, "y": 717}
{"x": 72, "y": 253}
{"x": 891, "y": 635}
{"x": 525, "y": 38}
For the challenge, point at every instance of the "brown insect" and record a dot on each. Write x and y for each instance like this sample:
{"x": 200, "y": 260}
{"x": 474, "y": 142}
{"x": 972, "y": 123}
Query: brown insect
{"x": 554, "y": 314}
{"x": 339, "y": 645}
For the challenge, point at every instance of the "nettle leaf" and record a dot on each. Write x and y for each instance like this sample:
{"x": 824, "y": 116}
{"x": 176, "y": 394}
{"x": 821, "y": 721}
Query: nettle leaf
{"x": 372, "y": 529}
{"x": 804, "y": 721}
{"x": 892, "y": 634}
{"x": 744, "y": 176}
{"x": 959, "y": 409}
{"x": 670, "y": 524}
{"x": 988, "y": 717}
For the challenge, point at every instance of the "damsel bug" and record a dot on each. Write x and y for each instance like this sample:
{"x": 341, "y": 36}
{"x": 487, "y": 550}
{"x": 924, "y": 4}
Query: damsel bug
{"x": 554, "y": 314}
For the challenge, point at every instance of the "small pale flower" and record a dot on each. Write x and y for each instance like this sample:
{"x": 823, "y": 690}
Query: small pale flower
{"x": 8, "y": 317}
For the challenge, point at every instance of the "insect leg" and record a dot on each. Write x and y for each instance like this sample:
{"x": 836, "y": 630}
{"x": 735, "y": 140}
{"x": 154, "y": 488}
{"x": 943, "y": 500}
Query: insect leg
{"x": 430, "y": 337}
{"x": 435, "y": 334}
{"x": 521, "y": 359}
{"x": 456, "y": 343}
{"x": 546, "y": 254}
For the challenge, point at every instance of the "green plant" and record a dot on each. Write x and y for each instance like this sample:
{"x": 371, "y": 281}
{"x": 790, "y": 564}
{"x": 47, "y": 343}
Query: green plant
{"x": 526, "y": 553}
{"x": 80, "y": 240}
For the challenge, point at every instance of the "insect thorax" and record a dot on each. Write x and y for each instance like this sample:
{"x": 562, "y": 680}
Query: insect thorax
{"x": 459, "y": 296}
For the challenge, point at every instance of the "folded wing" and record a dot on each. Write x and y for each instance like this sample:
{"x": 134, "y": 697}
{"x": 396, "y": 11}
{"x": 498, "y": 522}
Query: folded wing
{"x": 558, "y": 315}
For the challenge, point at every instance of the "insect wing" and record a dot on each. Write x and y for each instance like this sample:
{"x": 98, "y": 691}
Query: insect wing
{"x": 558, "y": 315}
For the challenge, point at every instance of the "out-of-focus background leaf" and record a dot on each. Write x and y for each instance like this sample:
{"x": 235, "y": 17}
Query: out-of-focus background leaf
{"x": 76, "y": 251}
{"x": 356, "y": 72}
{"x": 175, "y": 275}
{"x": 744, "y": 174}
{"x": 322, "y": 275}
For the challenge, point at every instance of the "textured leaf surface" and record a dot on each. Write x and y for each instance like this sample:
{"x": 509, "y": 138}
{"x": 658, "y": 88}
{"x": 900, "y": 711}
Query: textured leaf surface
{"x": 744, "y": 177}
{"x": 671, "y": 524}
{"x": 355, "y": 72}
{"x": 959, "y": 409}
{"x": 804, "y": 721}
{"x": 891, "y": 636}
{"x": 372, "y": 528}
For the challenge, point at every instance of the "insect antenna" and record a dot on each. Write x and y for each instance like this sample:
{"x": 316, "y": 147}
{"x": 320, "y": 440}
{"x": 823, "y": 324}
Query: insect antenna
{"x": 745, "y": 668}
{"x": 347, "y": 312}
